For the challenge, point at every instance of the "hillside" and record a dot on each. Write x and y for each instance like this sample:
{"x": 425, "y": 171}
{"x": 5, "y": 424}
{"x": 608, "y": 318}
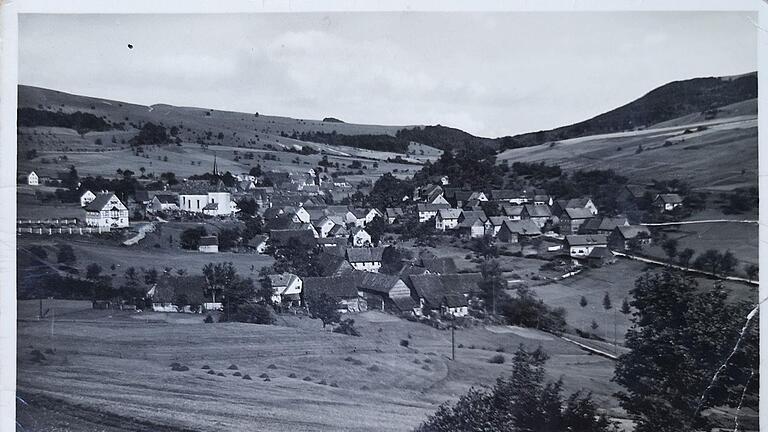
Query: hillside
{"x": 697, "y": 96}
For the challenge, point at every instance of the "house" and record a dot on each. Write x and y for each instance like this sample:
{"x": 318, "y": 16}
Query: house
{"x": 539, "y": 214}
{"x": 394, "y": 214}
{"x": 341, "y": 288}
{"x": 473, "y": 224}
{"x": 208, "y": 244}
{"x": 668, "y": 202}
{"x": 428, "y": 211}
{"x": 33, "y": 179}
{"x": 303, "y": 237}
{"x": 106, "y": 210}
{"x": 514, "y": 231}
{"x": 323, "y": 226}
{"x": 246, "y": 185}
{"x": 338, "y": 231}
{"x": 430, "y": 194}
{"x": 602, "y": 225}
{"x": 460, "y": 197}
{"x": 496, "y": 223}
{"x": 580, "y": 246}
{"x": 515, "y": 212}
{"x": 384, "y": 292}
{"x": 332, "y": 261}
{"x": 447, "y": 219}
{"x": 511, "y": 196}
{"x": 332, "y": 241}
{"x": 201, "y": 197}
{"x": 559, "y": 206}
{"x": 178, "y": 294}
{"x": 365, "y": 258}
{"x": 628, "y": 237}
{"x": 446, "y": 293}
{"x": 164, "y": 202}
{"x": 258, "y": 243}
{"x": 286, "y": 289}
{"x": 365, "y": 216}
{"x": 572, "y": 219}
{"x": 359, "y": 237}
{"x": 599, "y": 257}
{"x": 86, "y": 198}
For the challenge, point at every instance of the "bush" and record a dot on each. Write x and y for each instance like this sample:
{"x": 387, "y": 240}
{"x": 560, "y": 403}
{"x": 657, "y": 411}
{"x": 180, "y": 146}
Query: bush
{"x": 497, "y": 359}
{"x": 247, "y": 377}
{"x": 208, "y": 319}
{"x": 347, "y": 327}
{"x": 404, "y": 343}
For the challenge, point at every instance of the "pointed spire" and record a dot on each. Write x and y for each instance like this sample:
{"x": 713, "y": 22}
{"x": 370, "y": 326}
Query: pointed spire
{"x": 214, "y": 164}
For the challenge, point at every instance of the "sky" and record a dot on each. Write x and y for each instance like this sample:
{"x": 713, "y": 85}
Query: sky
{"x": 491, "y": 74}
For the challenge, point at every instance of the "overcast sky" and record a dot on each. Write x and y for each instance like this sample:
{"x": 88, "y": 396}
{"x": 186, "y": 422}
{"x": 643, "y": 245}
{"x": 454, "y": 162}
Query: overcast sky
{"x": 491, "y": 74}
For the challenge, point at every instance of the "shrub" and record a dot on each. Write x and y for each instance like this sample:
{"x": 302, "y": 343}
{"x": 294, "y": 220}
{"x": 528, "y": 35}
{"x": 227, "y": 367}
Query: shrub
{"x": 205, "y": 367}
{"x": 306, "y": 378}
{"x": 208, "y": 319}
{"x": 211, "y": 372}
{"x": 292, "y": 375}
{"x": 237, "y": 374}
{"x": 497, "y": 359}
{"x": 272, "y": 366}
{"x": 404, "y": 343}
{"x": 264, "y": 375}
{"x": 347, "y": 327}
{"x": 374, "y": 368}
{"x": 247, "y": 377}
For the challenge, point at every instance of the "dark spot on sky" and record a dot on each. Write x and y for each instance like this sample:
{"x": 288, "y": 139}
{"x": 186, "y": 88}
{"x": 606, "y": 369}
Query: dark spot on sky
{"x": 130, "y": 46}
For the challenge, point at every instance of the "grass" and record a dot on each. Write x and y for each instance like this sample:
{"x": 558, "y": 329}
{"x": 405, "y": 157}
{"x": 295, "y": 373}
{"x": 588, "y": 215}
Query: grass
{"x": 118, "y": 364}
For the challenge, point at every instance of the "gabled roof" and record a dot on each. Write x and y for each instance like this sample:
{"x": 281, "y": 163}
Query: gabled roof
{"x": 632, "y": 231}
{"x": 332, "y": 265}
{"x": 338, "y": 287}
{"x": 167, "y": 198}
{"x": 578, "y": 213}
{"x": 100, "y": 202}
{"x": 521, "y": 227}
{"x": 355, "y": 230}
{"x": 449, "y": 213}
{"x": 513, "y": 210}
{"x": 433, "y": 288}
{"x": 537, "y": 211}
{"x": 421, "y": 207}
{"x": 497, "y": 221}
{"x": 600, "y": 252}
{"x": 317, "y": 223}
{"x": 355, "y": 255}
{"x": 376, "y": 282}
{"x": 670, "y": 198}
{"x": 256, "y": 241}
{"x": 472, "y": 215}
{"x": 211, "y": 240}
{"x": 604, "y": 223}
{"x": 282, "y": 280}
{"x": 338, "y": 230}
{"x": 211, "y": 206}
{"x": 394, "y": 211}
{"x": 586, "y": 240}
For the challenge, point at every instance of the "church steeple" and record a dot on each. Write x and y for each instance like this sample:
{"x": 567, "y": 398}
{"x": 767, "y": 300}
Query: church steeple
{"x": 215, "y": 172}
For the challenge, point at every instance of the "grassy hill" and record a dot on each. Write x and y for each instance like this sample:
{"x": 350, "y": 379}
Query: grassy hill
{"x": 697, "y": 96}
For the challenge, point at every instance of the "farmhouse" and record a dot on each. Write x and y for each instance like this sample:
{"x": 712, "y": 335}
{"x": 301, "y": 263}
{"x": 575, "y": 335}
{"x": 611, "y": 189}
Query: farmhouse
{"x": 580, "y": 246}
{"x": 164, "y": 202}
{"x": 365, "y": 216}
{"x": 473, "y": 224}
{"x": 444, "y": 293}
{"x": 106, "y": 210}
{"x": 428, "y": 211}
{"x": 627, "y": 237}
{"x": 559, "y": 206}
{"x": 258, "y": 243}
{"x": 447, "y": 219}
{"x": 384, "y": 292}
{"x": 178, "y": 294}
{"x": 208, "y": 244}
{"x": 86, "y": 198}
{"x": 513, "y": 231}
{"x": 572, "y": 219}
{"x": 514, "y": 212}
{"x": 539, "y": 214}
{"x": 365, "y": 258}
{"x": 323, "y": 226}
{"x": 286, "y": 289}
{"x": 394, "y": 214}
{"x": 360, "y": 237}
{"x": 338, "y": 231}
{"x": 602, "y": 225}
{"x": 340, "y": 288}
{"x": 668, "y": 202}
{"x": 201, "y": 197}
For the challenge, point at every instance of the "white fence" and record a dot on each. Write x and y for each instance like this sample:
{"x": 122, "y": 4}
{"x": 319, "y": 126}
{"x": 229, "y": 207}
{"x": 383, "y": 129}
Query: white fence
{"x": 62, "y": 230}
{"x": 47, "y": 221}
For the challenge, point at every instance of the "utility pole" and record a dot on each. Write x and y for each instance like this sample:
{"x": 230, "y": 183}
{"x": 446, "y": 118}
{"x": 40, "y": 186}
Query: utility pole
{"x": 53, "y": 317}
{"x": 40, "y": 314}
{"x": 453, "y": 343}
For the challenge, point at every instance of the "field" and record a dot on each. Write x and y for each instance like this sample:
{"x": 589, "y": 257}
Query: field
{"x": 115, "y": 365}
{"x": 674, "y": 151}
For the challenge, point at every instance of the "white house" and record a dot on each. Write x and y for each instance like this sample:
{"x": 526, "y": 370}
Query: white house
{"x": 208, "y": 244}
{"x": 360, "y": 237}
{"x": 428, "y": 211}
{"x": 164, "y": 202}
{"x": 447, "y": 219}
{"x": 580, "y": 246}
{"x": 210, "y": 203}
{"x": 286, "y": 288}
{"x": 365, "y": 259}
{"x": 668, "y": 202}
{"x": 86, "y": 198}
{"x": 106, "y": 210}
{"x": 323, "y": 226}
{"x": 33, "y": 179}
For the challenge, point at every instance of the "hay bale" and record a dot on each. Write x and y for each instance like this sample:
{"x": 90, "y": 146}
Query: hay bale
{"x": 267, "y": 379}
{"x": 357, "y": 362}
{"x": 237, "y": 374}
{"x": 174, "y": 364}
{"x": 426, "y": 368}
{"x": 322, "y": 382}
{"x": 292, "y": 375}
{"x": 211, "y": 372}
{"x": 205, "y": 367}
{"x": 374, "y": 368}
{"x": 333, "y": 384}
{"x": 264, "y": 375}
{"x": 247, "y": 377}
{"x": 272, "y": 366}
{"x": 417, "y": 361}
{"x": 232, "y": 367}
{"x": 349, "y": 359}
{"x": 220, "y": 374}
{"x": 180, "y": 368}
{"x": 427, "y": 360}
{"x": 306, "y": 378}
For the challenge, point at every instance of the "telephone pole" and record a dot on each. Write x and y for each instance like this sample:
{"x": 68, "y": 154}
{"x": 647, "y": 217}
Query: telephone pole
{"x": 453, "y": 343}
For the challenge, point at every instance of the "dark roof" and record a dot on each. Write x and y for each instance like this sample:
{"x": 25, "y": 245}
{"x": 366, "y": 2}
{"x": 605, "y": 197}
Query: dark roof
{"x": 523, "y": 227}
{"x": 376, "y": 282}
{"x": 603, "y": 224}
{"x": 454, "y": 300}
{"x": 586, "y": 240}
{"x": 471, "y": 215}
{"x": 394, "y": 211}
{"x": 444, "y": 265}
{"x": 632, "y": 231}
{"x": 537, "y": 210}
{"x": 364, "y": 254}
{"x": 332, "y": 265}
{"x": 141, "y": 195}
{"x": 431, "y": 207}
{"x": 670, "y": 198}
{"x": 449, "y": 213}
{"x": 510, "y": 210}
{"x": 578, "y": 213}
{"x": 211, "y": 206}
{"x": 257, "y": 240}
{"x": 167, "y": 198}
{"x": 433, "y": 288}
{"x": 99, "y": 202}
{"x": 506, "y": 194}
{"x": 338, "y": 287}
{"x": 600, "y": 252}
{"x": 208, "y": 241}
{"x": 169, "y": 287}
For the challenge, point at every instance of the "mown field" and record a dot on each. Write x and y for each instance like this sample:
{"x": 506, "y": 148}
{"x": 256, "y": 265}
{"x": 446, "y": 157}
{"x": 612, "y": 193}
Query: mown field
{"x": 116, "y": 365}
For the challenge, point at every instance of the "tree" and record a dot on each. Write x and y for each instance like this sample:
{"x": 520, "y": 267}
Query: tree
{"x": 751, "y": 271}
{"x": 93, "y": 271}
{"x": 190, "y": 238}
{"x": 391, "y": 260}
{"x": 253, "y": 227}
{"x": 583, "y": 302}
{"x": 220, "y": 278}
{"x": 323, "y": 307}
{"x": 248, "y": 208}
{"x": 376, "y": 229}
{"x": 66, "y": 255}
{"x": 680, "y": 337}
{"x": 522, "y": 401}
{"x": 347, "y": 327}
{"x": 670, "y": 248}
{"x": 294, "y": 257}
{"x": 716, "y": 262}
{"x": 493, "y": 285}
{"x": 228, "y": 238}
{"x": 594, "y": 325}
{"x": 150, "y": 276}
{"x": 484, "y": 246}
{"x": 607, "y": 305}
{"x": 150, "y": 134}
{"x": 685, "y": 256}
{"x": 625, "y": 309}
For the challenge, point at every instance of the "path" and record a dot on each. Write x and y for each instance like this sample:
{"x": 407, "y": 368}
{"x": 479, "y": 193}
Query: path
{"x": 143, "y": 230}
{"x": 701, "y": 222}
{"x": 687, "y": 269}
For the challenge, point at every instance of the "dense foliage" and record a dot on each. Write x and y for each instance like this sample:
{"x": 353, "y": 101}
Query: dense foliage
{"x": 79, "y": 121}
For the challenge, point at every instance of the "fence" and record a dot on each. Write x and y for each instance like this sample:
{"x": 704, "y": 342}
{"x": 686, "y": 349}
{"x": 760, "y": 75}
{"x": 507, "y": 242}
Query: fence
{"x": 62, "y": 230}
{"x": 47, "y": 222}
